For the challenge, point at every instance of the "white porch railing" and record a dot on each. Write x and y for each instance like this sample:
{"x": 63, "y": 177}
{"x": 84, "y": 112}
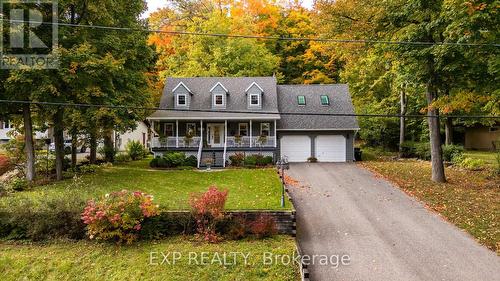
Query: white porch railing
{"x": 254, "y": 141}
{"x": 173, "y": 142}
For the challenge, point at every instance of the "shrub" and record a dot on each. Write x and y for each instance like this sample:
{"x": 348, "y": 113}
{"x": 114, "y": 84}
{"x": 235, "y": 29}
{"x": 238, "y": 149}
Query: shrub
{"x": 263, "y": 226}
{"x": 208, "y": 209}
{"x": 154, "y": 162}
{"x": 5, "y": 164}
{"x": 19, "y": 184}
{"x": 237, "y": 229}
{"x": 136, "y": 150}
{"x": 174, "y": 159}
{"x": 88, "y": 169}
{"x": 469, "y": 163}
{"x": 250, "y": 160}
{"x": 259, "y": 160}
{"x": 190, "y": 161}
{"x": 423, "y": 151}
{"x": 118, "y": 216}
{"x": 408, "y": 149}
{"x": 450, "y": 151}
{"x": 312, "y": 160}
{"x": 123, "y": 157}
{"x": 497, "y": 165}
{"x": 268, "y": 160}
{"x": 55, "y": 217}
{"x": 237, "y": 159}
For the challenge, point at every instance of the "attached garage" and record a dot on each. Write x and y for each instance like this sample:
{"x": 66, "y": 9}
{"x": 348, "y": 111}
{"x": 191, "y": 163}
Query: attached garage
{"x": 295, "y": 148}
{"x": 330, "y": 148}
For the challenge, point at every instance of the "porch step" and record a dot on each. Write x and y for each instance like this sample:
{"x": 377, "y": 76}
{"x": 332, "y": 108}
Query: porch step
{"x": 216, "y": 156}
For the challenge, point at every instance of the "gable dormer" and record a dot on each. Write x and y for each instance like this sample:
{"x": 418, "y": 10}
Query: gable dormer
{"x": 254, "y": 96}
{"x": 219, "y": 95}
{"x": 182, "y": 96}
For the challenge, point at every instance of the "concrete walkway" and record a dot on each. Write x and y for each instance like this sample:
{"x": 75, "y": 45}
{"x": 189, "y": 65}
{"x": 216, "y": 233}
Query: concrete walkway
{"x": 344, "y": 210}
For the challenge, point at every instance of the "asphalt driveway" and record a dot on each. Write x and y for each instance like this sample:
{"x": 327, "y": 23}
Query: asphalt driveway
{"x": 344, "y": 210}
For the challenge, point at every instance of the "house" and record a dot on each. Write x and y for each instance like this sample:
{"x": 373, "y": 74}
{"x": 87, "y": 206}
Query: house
{"x": 480, "y": 137}
{"x": 214, "y": 118}
{"x": 140, "y": 134}
{"x": 7, "y": 129}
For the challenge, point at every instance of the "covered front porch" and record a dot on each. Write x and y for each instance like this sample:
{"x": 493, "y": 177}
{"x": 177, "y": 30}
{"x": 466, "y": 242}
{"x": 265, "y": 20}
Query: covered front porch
{"x": 187, "y": 134}
{"x": 214, "y": 139}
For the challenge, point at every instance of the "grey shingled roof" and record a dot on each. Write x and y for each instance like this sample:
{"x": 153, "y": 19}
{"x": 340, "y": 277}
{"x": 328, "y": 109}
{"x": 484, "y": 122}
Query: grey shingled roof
{"x": 236, "y": 99}
{"x": 340, "y": 102}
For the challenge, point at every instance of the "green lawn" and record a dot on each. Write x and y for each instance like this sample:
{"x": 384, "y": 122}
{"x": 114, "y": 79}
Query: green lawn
{"x": 61, "y": 260}
{"x": 470, "y": 199}
{"x": 248, "y": 188}
{"x": 488, "y": 157}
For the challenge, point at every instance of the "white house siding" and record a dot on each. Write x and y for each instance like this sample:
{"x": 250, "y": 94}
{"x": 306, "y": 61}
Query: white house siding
{"x": 140, "y": 134}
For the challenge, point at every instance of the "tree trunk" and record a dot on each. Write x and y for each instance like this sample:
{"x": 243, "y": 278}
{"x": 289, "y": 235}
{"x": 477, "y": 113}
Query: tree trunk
{"x": 448, "y": 130}
{"x": 74, "y": 147}
{"x": 93, "y": 147}
{"x": 109, "y": 149}
{"x": 434, "y": 135}
{"x": 402, "y": 122}
{"x": 29, "y": 144}
{"x": 59, "y": 142}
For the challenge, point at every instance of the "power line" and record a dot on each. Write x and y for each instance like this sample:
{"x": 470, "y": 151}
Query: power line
{"x": 278, "y": 38}
{"x": 88, "y": 105}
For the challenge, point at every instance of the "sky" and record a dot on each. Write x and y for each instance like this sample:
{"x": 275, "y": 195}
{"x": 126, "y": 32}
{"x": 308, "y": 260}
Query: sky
{"x": 153, "y": 5}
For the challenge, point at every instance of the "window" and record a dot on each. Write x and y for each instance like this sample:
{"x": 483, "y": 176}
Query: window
{"x": 169, "y": 130}
{"x": 181, "y": 100}
{"x": 191, "y": 129}
{"x": 325, "y": 100}
{"x": 301, "y": 100}
{"x": 254, "y": 99}
{"x": 218, "y": 99}
{"x": 243, "y": 129}
{"x": 265, "y": 129}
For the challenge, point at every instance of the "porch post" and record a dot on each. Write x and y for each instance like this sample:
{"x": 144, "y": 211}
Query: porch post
{"x": 225, "y": 144}
{"x": 250, "y": 133}
{"x": 177, "y": 133}
{"x": 275, "y": 136}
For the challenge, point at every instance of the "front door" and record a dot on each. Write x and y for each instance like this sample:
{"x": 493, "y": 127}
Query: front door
{"x": 215, "y": 135}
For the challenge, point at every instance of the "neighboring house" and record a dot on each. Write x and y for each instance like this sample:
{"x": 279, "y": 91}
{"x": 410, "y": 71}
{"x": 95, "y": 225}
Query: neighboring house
{"x": 140, "y": 134}
{"x": 214, "y": 118}
{"x": 6, "y": 128}
{"x": 482, "y": 137}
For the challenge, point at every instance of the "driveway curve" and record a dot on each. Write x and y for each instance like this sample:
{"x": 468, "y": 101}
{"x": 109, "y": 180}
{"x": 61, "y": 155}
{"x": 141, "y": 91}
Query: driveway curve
{"x": 343, "y": 209}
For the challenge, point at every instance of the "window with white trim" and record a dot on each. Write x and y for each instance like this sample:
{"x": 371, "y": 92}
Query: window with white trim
{"x": 255, "y": 99}
{"x": 265, "y": 129}
{"x": 181, "y": 100}
{"x": 169, "y": 129}
{"x": 243, "y": 129}
{"x": 218, "y": 100}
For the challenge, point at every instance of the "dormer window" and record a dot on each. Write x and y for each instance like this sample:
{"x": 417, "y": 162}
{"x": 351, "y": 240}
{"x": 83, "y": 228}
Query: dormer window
{"x": 181, "y": 100}
{"x": 218, "y": 100}
{"x": 219, "y": 93}
{"x": 255, "y": 99}
{"x": 254, "y": 96}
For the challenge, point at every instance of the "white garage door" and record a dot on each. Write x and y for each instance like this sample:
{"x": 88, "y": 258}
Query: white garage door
{"x": 296, "y": 148}
{"x": 331, "y": 148}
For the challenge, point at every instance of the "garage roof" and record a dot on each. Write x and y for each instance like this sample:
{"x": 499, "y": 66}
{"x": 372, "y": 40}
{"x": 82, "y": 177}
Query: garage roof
{"x": 340, "y": 103}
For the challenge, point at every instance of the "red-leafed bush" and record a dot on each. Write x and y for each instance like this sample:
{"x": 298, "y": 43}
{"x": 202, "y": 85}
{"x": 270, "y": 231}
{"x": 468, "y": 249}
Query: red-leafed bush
{"x": 208, "y": 209}
{"x": 263, "y": 226}
{"x": 118, "y": 216}
{"x": 5, "y": 164}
